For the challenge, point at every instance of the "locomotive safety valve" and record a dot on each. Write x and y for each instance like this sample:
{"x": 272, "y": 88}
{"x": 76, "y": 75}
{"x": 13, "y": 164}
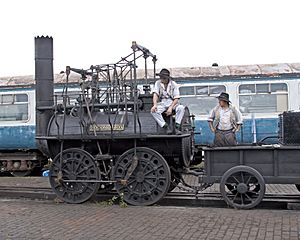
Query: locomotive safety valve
{"x": 133, "y": 45}
{"x": 68, "y": 70}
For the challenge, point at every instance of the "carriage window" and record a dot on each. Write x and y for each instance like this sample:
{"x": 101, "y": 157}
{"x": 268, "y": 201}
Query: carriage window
{"x": 278, "y": 87}
{"x": 263, "y": 98}
{"x": 247, "y": 88}
{"x": 262, "y": 88}
{"x": 217, "y": 89}
{"x": 13, "y": 107}
{"x": 202, "y": 90}
{"x": 187, "y": 90}
{"x": 204, "y": 100}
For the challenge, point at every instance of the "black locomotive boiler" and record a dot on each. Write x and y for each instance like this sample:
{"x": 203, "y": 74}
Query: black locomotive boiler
{"x": 101, "y": 135}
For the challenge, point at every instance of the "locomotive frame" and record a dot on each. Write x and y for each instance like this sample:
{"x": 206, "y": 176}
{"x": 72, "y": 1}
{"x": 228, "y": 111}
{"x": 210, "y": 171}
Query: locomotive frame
{"x": 107, "y": 138}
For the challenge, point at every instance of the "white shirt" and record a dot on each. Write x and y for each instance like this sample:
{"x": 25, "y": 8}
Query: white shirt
{"x": 225, "y": 123}
{"x": 227, "y": 117}
{"x": 171, "y": 92}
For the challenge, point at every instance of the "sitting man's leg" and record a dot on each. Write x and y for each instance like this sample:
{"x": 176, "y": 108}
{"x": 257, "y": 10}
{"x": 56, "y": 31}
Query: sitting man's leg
{"x": 158, "y": 115}
{"x": 179, "y": 109}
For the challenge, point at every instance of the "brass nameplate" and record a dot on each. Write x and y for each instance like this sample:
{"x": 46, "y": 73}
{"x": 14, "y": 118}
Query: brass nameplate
{"x": 106, "y": 127}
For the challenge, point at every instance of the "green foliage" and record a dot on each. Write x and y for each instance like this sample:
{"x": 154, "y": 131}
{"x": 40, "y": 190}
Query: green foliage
{"x": 119, "y": 199}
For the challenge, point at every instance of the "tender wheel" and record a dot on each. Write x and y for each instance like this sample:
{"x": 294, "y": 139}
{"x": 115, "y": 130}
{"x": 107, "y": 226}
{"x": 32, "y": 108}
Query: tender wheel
{"x": 77, "y": 164}
{"x": 242, "y": 187}
{"x": 150, "y": 180}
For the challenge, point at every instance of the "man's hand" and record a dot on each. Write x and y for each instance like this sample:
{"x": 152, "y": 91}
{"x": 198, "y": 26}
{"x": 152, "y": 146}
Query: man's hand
{"x": 154, "y": 108}
{"x": 169, "y": 111}
{"x": 237, "y": 128}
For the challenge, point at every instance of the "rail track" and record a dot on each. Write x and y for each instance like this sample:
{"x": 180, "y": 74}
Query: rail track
{"x": 182, "y": 199}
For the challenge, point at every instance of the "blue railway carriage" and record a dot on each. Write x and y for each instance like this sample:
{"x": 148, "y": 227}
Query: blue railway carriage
{"x": 19, "y": 154}
{"x": 18, "y": 151}
{"x": 261, "y": 92}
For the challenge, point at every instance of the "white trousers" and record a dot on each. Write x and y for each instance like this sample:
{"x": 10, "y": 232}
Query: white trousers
{"x": 163, "y": 106}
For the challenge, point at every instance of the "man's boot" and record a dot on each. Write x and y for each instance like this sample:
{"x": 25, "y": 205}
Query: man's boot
{"x": 168, "y": 130}
{"x": 177, "y": 129}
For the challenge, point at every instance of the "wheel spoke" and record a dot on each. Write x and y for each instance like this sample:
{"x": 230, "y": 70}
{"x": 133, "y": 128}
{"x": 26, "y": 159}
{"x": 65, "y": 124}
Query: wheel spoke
{"x": 249, "y": 197}
{"x": 253, "y": 192}
{"x": 248, "y": 181}
{"x": 234, "y": 197}
{"x": 242, "y": 199}
{"x": 236, "y": 179}
{"x": 242, "y": 175}
{"x": 150, "y": 171}
{"x": 66, "y": 171}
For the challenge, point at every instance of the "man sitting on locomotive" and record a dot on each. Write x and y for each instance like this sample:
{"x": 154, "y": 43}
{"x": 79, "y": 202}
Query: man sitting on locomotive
{"x": 224, "y": 120}
{"x": 166, "y": 98}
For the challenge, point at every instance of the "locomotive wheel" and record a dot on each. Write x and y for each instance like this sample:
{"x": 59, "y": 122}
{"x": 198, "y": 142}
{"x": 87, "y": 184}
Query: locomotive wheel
{"x": 242, "y": 187}
{"x": 77, "y": 164}
{"x": 150, "y": 180}
{"x": 186, "y": 151}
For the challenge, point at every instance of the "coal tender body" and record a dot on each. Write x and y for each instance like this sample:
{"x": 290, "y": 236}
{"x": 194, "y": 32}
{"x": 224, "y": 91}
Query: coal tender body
{"x": 103, "y": 136}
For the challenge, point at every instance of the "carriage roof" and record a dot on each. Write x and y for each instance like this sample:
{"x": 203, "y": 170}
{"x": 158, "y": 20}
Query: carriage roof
{"x": 235, "y": 71}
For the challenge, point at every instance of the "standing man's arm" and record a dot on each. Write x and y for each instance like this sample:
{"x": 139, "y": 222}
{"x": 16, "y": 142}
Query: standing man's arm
{"x": 211, "y": 120}
{"x": 239, "y": 119}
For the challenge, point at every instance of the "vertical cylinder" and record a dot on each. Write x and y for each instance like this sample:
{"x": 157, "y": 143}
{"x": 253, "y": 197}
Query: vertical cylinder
{"x": 44, "y": 83}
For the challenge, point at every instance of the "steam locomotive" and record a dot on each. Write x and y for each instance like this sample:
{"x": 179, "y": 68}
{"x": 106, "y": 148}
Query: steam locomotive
{"x": 105, "y": 137}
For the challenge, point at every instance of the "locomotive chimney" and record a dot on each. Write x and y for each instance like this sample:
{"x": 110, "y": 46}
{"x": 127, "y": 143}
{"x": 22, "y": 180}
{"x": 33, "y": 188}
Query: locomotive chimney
{"x": 44, "y": 84}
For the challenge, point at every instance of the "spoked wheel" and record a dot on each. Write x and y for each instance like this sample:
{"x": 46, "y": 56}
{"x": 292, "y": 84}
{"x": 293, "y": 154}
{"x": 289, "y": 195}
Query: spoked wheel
{"x": 242, "y": 187}
{"x": 150, "y": 180}
{"x": 77, "y": 164}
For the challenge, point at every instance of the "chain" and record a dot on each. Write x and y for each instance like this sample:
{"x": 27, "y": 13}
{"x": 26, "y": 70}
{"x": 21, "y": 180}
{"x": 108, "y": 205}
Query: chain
{"x": 189, "y": 188}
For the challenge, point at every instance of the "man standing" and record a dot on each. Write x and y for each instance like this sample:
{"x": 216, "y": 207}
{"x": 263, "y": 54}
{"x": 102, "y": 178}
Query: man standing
{"x": 224, "y": 120}
{"x": 166, "y": 99}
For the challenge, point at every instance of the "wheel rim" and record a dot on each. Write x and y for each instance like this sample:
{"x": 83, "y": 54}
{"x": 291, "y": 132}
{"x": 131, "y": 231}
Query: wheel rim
{"x": 77, "y": 164}
{"x": 150, "y": 180}
{"x": 242, "y": 187}
{"x": 186, "y": 151}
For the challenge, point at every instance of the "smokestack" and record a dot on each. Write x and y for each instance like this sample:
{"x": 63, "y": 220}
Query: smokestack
{"x": 44, "y": 84}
